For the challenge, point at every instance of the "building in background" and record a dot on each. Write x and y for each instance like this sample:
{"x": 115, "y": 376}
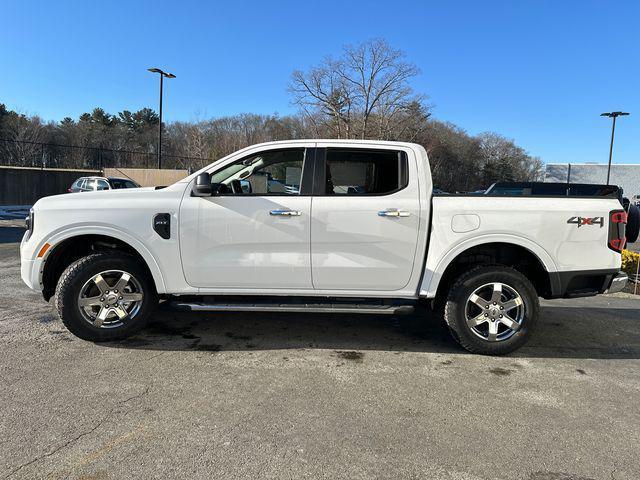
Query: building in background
{"x": 625, "y": 176}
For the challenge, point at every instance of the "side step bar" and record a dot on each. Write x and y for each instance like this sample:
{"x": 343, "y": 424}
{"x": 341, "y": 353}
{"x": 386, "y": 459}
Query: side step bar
{"x": 292, "y": 307}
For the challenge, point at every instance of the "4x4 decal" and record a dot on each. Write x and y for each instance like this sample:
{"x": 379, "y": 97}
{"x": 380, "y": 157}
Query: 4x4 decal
{"x": 580, "y": 221}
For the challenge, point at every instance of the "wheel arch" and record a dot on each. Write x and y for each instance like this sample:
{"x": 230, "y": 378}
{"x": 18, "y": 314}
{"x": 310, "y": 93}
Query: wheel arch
{"x": 517, "y": 252}
{"x": 74, "y": 243}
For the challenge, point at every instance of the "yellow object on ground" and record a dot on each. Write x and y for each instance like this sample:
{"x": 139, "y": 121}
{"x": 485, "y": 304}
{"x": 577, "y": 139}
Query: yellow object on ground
{"x": 630, "y": 262}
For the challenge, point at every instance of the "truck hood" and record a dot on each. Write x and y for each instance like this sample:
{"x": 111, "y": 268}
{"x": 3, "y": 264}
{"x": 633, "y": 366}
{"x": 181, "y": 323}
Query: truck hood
{"x": 97, "y": 199}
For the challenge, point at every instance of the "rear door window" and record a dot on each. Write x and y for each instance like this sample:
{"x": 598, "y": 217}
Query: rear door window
{"x": 102, "y": 185}
{"x": 117, "y": 184}
{"x": 364, "y": 172}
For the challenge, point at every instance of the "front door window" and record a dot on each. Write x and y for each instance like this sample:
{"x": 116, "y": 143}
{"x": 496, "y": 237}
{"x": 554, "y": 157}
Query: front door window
{"x": 277, "y": 172}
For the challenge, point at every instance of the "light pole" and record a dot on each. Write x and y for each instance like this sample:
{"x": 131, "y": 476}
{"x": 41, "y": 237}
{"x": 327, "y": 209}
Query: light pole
{"x": 162, "y": 75}
{"x": 613, "y": 115}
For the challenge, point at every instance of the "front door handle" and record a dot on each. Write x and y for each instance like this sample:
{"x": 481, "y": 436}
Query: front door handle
{"x": 286, "y": 213}
{"x": 393, "y": 212}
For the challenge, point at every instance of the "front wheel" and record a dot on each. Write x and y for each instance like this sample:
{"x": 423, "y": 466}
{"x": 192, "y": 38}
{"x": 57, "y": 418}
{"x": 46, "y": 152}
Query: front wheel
{"x": 491, "y": 310}
{"x": 105, "y": 296}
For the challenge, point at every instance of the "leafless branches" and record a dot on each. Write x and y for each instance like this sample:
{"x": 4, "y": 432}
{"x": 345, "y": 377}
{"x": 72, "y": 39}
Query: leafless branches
{"x": 366, "y": 93}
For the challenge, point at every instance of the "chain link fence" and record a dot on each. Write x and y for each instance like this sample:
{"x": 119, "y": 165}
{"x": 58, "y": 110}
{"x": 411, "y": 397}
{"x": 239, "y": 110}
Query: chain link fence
{"x": 20, "y": 153}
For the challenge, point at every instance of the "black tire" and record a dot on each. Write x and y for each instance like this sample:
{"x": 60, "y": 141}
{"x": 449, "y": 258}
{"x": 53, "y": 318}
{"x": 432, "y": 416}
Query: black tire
{"x": 633, "y": 223}
{"x": 455, "y": 309}
{"x": 78, "y": 273}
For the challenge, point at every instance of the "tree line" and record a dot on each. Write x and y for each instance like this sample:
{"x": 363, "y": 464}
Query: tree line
{"x": 365, "y": 93}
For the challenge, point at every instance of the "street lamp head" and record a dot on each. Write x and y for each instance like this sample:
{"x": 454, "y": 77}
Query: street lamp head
{"x": 164, "y": 74}
{"x": 613, "y": 114}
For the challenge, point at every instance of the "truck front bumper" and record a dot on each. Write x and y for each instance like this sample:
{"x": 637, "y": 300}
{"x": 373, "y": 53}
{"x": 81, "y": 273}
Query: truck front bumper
{"x": 30, "y": 273}
{"x": 29, "y": 266}
{"x": 618, "y": 283}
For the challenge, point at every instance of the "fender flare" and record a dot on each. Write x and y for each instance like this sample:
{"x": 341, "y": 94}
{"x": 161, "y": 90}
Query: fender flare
{"x": 66, "y": 233}
{"x": 431, "y": 279}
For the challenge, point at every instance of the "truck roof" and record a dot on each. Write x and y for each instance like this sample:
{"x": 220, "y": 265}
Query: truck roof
{"x": 338, "y": 141}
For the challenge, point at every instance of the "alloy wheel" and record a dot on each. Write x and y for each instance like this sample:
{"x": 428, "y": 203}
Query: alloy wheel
{"x": 110, "y": 298}
{"x": 494, "y": 312}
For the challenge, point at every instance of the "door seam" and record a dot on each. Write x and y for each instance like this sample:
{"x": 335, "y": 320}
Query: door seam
{"x": 313, "y": 187}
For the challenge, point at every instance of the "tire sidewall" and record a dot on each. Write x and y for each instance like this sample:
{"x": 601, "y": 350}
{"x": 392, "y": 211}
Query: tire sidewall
{"x": 75, "y": 277}
{"x": 456, "y": 305}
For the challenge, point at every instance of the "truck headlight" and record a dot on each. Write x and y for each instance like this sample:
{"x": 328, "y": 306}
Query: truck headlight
{"x": 29, "y": 221}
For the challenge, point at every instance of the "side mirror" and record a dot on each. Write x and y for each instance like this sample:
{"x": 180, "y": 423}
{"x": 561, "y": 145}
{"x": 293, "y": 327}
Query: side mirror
{"x": 202, "y": 188}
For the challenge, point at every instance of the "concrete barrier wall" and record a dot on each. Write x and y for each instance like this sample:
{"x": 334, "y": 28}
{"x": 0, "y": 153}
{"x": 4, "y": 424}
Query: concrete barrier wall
{"x": 24, "y": 185}
{"x": 147, "y": 177}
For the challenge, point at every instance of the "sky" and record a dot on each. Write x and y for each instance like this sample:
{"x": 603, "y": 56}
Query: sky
{"x": 539, "y": 72}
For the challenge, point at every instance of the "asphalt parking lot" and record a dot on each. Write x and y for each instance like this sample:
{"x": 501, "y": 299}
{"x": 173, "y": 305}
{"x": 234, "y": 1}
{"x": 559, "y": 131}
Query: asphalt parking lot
{"x": 316, "y": 396}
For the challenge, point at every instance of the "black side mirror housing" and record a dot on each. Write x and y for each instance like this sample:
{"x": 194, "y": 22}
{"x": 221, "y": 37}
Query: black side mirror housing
{"x": 202, "y": 187}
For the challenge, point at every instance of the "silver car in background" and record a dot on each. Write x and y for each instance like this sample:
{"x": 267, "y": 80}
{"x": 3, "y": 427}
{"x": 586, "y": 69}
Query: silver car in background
{"x": 90, "y": 184}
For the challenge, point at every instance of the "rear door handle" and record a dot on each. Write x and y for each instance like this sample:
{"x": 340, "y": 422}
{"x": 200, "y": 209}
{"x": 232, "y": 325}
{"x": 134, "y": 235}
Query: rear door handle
{"x": 286, "y": 213}
{"x": 393, "y": 212}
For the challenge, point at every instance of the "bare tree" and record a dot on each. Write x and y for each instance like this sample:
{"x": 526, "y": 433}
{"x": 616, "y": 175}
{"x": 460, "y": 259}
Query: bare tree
{"x": 323, "y": 95}
{"x": 25, "y": 133}
{"x": 363, "y": 94}
{"x": 503, "y": 160}
{"x": 379, "y": 78}
{"x": 196, "y": 144}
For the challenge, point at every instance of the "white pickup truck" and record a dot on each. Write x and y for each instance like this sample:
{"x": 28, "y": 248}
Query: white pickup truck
{"x": 320, "y": 225}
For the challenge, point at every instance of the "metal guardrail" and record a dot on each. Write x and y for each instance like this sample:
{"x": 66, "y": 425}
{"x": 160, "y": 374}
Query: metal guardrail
{"x": 22, "y": 153}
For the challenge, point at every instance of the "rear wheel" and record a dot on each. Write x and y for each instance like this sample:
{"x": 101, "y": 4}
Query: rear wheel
{"x": 105, "y": 296}
{"x": 491, "y": 310}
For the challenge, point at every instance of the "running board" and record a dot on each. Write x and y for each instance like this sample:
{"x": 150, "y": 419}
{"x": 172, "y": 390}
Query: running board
{"x": 292, "y": 307}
